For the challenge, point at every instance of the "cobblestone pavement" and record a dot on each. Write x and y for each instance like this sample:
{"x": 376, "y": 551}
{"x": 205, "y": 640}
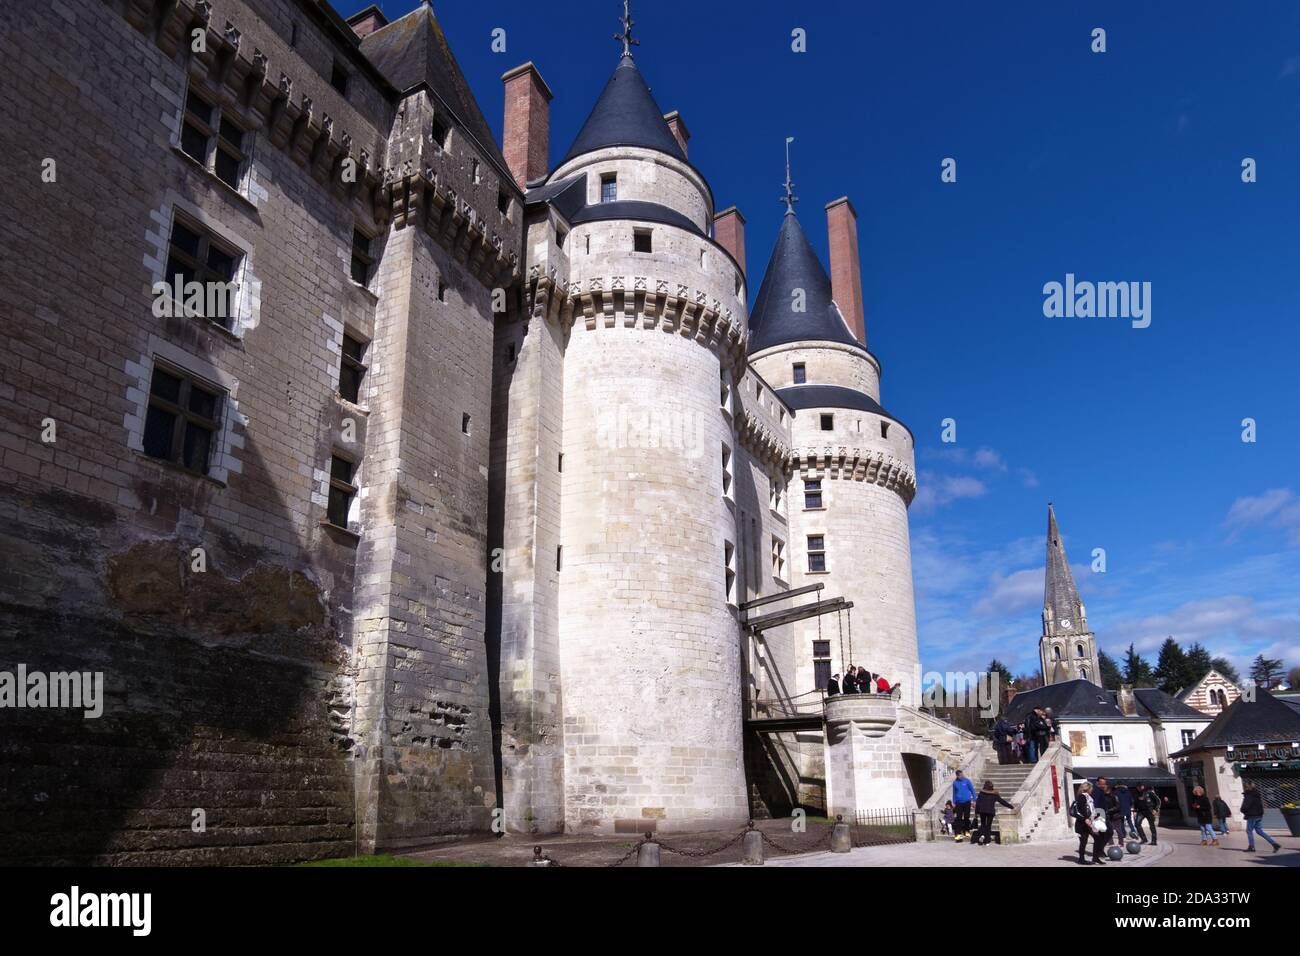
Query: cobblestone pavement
{"x": 1231, "y": 850}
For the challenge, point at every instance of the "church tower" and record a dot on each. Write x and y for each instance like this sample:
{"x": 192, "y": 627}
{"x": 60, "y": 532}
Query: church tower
{"x": 1067, "y": 649}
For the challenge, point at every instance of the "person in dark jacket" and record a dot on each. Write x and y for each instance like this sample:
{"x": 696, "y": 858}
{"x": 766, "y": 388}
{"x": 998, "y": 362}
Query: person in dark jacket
{"x": 1042, "y": 733}
{"x": 1086, "y": 821}
{"x": 1221, "y": 814}
{"x": 850, "y": 685}
{"x": 833, "y": 685}
{"x": 1252, "y": 810}
{"x": 1002, "y": 740}
{"x": 1146, "y": 804}
{"x": 986, "y": 806}
{"x": 1203, "y": 810}
{"x": 1035, "y": 734}
{"x": 1125, "y": 799}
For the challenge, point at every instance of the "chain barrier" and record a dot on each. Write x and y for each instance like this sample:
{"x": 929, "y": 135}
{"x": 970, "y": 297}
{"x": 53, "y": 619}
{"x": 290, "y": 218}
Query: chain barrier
{"x": 825, "y": 840}
{"x": 699, "y": 854}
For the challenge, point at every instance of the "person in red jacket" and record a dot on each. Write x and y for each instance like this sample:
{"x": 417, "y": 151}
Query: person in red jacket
{"x": 882, "y": 685}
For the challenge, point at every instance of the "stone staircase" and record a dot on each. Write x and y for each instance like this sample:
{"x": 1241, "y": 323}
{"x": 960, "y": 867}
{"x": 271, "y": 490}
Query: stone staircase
{"x": 949, "y": 745}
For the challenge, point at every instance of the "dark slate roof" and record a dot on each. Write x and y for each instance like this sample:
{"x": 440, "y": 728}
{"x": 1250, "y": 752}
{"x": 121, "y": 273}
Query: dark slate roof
{"x": 831, "y": 396}
{"x": 1078, "y": 699}
{"x": 634, "y": 210}
{"x": 1159, "y": 704}
{"x": 1157, "y": 776}
{"x": 413, "y": 50}
{"x": 1059, "y": 592}
{"x": 794, "y": 265}
{"x": 1266, "y": 720}
{"x": 626, "y": 114}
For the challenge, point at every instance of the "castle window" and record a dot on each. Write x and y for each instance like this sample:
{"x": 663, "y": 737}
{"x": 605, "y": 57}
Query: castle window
{"x": 702, "y": 260}
{"x": 559, "y": 462}
{"x": 729, "y": 570}
{"x": 362, "y": 260}
{"x": 559, "y": 557}
{"x": 561, "y": 235}
{"x": 1078, "y": 650}
{"x": 440, "y": 134}
{"x": 474, "y": 171}
{"x": 510, "y": 353}
{"x": 641, "y": 240}
{"x": 351, "y": 369}
{"x": 828, "y": 423}
{"x": 339, "y": 78}
{"x": 181, "y": 420}
{"x": 194, "y": 255}
{"x": 1105, "y": 744}
{"x": 442, "y": 291}
{"x": 778, "y": 558}
{"x": 293, "y": 34}
{"x": 884, "y": 429}
{"x": 1056, "y": 653}
{"x": 812, "y": 493}
{"x": 800, "y": 373}
{"x": 214, "y": 140}
{"x": 776, "y": 495}
{"x": 342, "y": 491}
{"x": 503, "y": 202}
{"x": 1083, "y": 673}
{"x": 816, "y": 552}
{"x": 821, "y": 657}
{"x": 726, "y": 472}
{"x": 724, "y": 391}
{"x": 464, "y": 423}
{"x": 609, "y": 187}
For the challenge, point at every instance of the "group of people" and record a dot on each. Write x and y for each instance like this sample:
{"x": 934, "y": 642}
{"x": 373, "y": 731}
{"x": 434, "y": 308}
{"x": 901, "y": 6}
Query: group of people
{"x": 857, "y": 680}
{"x": 1026, "y": 741}
{"x": 1211, "y": 812}
{"x": 957, "y": 811}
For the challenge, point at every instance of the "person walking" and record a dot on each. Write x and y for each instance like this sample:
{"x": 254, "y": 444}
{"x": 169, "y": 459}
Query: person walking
{"x": 949, "y": 814}
{"x": 833, "y": 685}
{"x": 1221, "y": 814}
{"x": 1086, "y": 821}
{"x": 1203, "y": 810}
{"x": 1252, "y": 810}
{"x": 963, "y": 795}
{"x": 1125, "y": 799}
{"x": 1146, "y": 803}
{"x": 986, "y": 806}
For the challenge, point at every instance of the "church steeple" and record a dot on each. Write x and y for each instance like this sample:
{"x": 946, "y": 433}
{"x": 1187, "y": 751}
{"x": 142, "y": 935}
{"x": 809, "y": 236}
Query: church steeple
{"x": 1067, "y": 649}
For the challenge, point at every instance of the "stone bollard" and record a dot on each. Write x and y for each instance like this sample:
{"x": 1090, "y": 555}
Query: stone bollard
{"x": 647, "y": 854}
{"x": 538, "y": 859}
{"x": 841, "y": 839}
{"x": 753, "y": 847}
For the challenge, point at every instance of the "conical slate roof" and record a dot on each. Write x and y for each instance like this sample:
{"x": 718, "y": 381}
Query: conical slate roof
{"x": 625, "y": 115}
{"x": 794, "y": 265}
{"x": 1059, "y": 592}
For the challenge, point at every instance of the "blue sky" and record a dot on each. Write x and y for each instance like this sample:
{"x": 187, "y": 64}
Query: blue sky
{"x": 1120, "y": 166}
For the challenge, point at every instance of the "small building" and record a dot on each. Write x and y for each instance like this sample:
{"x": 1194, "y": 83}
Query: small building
{"x": 1126, "y": 736}
{"x": 1212, "y": 694}
{"x": 1256, "y": 740}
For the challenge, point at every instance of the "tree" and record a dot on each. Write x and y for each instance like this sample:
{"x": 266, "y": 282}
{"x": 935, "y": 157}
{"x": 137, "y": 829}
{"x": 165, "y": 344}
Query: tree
{"x": 1293, "y": 678}
{"x": 1110, "y": 675}
{"x": 1224, "y": 667}
{"x": 1136, "y": 669}
{"x": 1172, "y": 673}
{"x": 1199, "y": 661}
{"x": 1027, "y": 681}
{"x": 1003, "y": 672}
{"x": 1264, "y": 669}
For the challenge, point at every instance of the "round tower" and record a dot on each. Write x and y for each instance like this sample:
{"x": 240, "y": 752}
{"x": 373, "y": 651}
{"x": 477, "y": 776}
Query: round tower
{"x": 648, "y": 636}
{"x": 855, "y": 472}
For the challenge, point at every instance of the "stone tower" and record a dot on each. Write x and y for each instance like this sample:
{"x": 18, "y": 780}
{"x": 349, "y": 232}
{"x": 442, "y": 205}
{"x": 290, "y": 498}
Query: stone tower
{"x": 1067, "y": 650}
{"x": 855, "y": 461}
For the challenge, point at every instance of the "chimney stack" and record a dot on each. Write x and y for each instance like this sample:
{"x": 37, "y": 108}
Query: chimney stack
{"x": 367, "y": 21}
{"x": 846, "y": 269}
{"x": 527, "y": 127}
{"x": 729, "y": 232}
{"x": 677, "y": 126}
{"x": 1127, "y": 702}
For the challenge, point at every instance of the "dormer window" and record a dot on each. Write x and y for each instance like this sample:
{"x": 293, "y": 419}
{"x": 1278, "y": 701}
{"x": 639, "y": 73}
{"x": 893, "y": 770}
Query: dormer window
{"x": 800, "y": 373}
{"x": 609, "y": 187}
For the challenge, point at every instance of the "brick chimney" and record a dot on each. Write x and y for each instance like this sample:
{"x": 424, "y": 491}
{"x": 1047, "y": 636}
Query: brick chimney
{"x": 527, "y": 127}
{"x": 367, "y": 21}
{"x": 729, "y": 232}
{"x": 678, "y": 127}
{"x": 846, "y": 270}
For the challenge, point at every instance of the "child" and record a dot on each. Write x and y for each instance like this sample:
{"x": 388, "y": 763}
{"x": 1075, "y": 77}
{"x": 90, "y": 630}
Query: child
{"x": 948, "y": 815}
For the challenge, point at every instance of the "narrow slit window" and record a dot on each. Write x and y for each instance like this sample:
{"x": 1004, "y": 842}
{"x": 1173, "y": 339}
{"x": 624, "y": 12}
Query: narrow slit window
{"x": 884, "y": 429}
{"x": 342, "y": 491}
{"x": 351, "y": 368}
{"x": 800, "y": 373}
{"x": 464, "y": 423}
{"x": 362, "y": 258}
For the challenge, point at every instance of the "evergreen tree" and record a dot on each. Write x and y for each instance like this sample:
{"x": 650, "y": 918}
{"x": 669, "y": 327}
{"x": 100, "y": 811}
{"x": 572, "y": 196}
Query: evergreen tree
{"x": 1136, "y": 669}
{"x": 1004, "y": 677}
{"x": 1224, "y": 667}
{"x": 1028, "y": 681}
{"x": 1293, "y": 678}
{"x": 1199, "y": 661}
{"x": 1264, "y": 669}
{"x": 1111, "y": 677}
{"x": 1172, "y": 673}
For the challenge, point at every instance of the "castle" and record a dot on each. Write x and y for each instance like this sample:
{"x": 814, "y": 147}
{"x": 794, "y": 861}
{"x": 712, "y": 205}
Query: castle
{"x": 489, "y": 504}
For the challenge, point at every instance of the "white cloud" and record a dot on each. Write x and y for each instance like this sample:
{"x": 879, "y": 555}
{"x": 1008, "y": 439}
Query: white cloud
{"x": 1277, "y": 508}
{"x": 990, "y": 459}
{"x": 934, "y": 491}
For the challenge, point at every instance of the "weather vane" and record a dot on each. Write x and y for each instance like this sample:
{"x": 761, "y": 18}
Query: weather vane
{"x": 789, "y": 198}
{"x": 626, "y": 35}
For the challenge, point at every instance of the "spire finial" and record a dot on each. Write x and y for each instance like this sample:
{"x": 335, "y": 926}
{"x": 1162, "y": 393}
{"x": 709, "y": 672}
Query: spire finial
{"x": 626, "y": 35}
{"x": 789, "y": 198}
